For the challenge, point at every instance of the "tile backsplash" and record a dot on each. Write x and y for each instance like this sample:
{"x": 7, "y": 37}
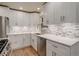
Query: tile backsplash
{"x": 21, "y": 29}
{"x": 70, "y": 30}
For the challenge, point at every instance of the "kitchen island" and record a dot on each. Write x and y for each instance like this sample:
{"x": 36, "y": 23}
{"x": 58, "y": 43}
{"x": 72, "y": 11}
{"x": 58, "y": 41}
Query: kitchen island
{"x": 60, "y": 46}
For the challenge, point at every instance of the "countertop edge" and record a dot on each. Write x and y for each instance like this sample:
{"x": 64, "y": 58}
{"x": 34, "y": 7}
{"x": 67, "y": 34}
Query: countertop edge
{"x": 58, "y": 41}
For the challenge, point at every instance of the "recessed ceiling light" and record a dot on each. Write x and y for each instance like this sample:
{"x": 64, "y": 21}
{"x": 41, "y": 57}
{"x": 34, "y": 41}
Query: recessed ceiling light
{"x": 21, "y": 8}
{"x": 38, "y": 8}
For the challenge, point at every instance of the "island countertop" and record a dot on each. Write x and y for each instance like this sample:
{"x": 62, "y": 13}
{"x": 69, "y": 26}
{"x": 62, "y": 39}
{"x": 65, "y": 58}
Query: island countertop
{"x": 59, "y": 39}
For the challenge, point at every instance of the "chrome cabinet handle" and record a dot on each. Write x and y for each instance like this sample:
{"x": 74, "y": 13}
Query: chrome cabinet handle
{"x": 62, "y": 18}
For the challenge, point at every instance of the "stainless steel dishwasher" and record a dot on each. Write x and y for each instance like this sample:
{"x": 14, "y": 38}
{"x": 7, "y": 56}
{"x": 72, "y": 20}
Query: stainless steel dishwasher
{"x": 41, "y": 46}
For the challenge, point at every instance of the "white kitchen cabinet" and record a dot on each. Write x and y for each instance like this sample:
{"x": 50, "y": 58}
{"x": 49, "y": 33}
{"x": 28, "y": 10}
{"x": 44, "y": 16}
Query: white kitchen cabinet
{"x": 26, "y": 40}
{"x": 69, "y": 12}
{"x": 19, "y": 41}
{"x": 52, "y": 12}
{"x": 13, "y": 18}
{"x": 16, "y": 41}
{"x": 34, "y": 19}
{"x": 77, "y": 15}
{"x": 59, "y": 12}
{"x": 34, "y": 41}
{"x": 57, "y": 49}
{"x": 47, "y": 16}
{"x": 23, "y": 19}
{"x": 18, "y": 18}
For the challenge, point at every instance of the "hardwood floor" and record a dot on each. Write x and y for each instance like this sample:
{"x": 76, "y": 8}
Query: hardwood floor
{"x": 28, "y": 51}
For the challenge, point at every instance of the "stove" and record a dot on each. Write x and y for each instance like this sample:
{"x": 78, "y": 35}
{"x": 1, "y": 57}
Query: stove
{"x": 4, "y": 47}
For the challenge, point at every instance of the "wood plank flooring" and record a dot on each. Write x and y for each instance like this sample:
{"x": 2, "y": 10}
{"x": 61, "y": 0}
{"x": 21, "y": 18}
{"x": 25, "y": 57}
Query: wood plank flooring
{"x": 28, "y": 51}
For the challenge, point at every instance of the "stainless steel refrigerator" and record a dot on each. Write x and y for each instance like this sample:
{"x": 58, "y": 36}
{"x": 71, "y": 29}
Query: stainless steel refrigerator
{"x": 4, "y": 26}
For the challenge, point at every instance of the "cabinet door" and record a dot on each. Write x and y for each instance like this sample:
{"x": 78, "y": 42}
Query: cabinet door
{"x": 13, "y": 18}
{"x": 26, "y": 40}
{"x": 57, "y": 49}
{"x": 58, "y": 12}
{"x": 34, "y": 17}
{"x": 23, "y": 19}
{"x": 16, "y": 41}
{"x": 48, "y": 13}
{"x": 77, "y": 11}
{"x": 52, "y": 12}
{"x": 50, "y": 50}
{"x": 19, "y": 42}
{"x": 69, "y": 12}
{"x": 53, "y": 52}
{"x": 34, "y": 41}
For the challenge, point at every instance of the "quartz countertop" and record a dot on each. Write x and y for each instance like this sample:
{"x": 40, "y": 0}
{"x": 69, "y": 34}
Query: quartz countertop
{"x": 19, "y": 33}
{"x": 59, "y": 39}
{"x": 3, "y": 38}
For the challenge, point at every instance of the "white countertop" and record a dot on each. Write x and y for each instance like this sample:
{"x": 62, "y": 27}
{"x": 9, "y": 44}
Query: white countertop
{"x": 59, "y": 39}
{"x": 22, "y": 33}
{"x": 3, "y": 38}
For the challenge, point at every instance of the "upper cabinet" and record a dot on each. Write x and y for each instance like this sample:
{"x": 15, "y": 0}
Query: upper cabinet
{"x": 18, "y": 18}
{"x": 59, "y": 12}
{"x": 52, "y": 12}
{"x": 34, "y": 19}
{"x": 69, "y": 12}
{"x": 77, "y": 15}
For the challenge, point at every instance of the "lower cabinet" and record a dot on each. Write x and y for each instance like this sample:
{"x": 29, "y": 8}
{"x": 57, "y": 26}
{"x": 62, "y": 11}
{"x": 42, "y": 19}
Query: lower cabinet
{"x": 26, "y": 40}
{"x": 34, "y": 41}
{"x": 56, "y": 49}
{"x": 19, "y": 41}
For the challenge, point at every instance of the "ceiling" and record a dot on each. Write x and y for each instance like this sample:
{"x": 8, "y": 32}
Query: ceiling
{"x": 26, "y": 6}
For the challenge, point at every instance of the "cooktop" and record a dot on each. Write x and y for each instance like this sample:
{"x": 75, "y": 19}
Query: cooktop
{"x": 3, "y": 44}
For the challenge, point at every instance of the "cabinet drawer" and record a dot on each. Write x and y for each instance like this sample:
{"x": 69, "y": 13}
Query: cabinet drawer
{"x": 59, "y": 48}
